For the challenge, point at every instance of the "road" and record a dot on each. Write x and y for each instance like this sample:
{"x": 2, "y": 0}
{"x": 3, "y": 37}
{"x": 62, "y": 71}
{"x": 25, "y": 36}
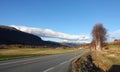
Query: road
{"x": 51, "y": 63}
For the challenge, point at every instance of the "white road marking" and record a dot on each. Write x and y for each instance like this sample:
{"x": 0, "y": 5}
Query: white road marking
{"x": 19, "y": 61}
{"x": 63, "y": 63}
{"x": 12, "y": 62}
{"x": 48, "y": 69}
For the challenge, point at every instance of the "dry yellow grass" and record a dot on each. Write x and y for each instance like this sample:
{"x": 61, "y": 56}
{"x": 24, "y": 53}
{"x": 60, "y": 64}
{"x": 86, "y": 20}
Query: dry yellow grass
{"x": 106, "y": 58}
{"x": 34, "y": 51}
{"x": 13, "y": 53}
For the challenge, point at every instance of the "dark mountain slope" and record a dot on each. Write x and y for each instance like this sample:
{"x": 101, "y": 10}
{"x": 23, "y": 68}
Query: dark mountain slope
{"x": 10, "y": 35}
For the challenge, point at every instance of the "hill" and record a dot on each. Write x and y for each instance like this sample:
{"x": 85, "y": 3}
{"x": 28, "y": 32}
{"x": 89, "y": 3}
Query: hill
{"x": 71, "y": 44}
{"x": 10, "y": 35}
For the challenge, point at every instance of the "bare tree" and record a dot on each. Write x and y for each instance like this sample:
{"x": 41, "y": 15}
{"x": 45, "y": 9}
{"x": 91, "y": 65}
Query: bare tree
{"x": 99, "y": 35}
{"x": 92, "y": 45}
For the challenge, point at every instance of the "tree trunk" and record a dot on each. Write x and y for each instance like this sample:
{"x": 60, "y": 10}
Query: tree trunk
{"x": 98, "y": 46}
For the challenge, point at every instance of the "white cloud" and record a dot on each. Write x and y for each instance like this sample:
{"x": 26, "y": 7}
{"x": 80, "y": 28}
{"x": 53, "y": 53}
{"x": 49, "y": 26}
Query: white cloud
{"x": 52, "y": 34}
{"x": 83, "y": 41}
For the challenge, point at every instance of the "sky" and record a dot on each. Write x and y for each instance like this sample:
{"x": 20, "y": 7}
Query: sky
{"x": 62, "y": 20}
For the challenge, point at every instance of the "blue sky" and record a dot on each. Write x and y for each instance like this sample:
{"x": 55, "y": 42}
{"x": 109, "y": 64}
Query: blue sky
{"x": 74, "y": 17}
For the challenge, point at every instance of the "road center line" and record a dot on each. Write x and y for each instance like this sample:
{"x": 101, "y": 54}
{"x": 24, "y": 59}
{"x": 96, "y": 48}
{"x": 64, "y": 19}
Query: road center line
{"x": 18, "y": 61}
{"x": 48, "y": 69}
{"x": 63, "y": 63}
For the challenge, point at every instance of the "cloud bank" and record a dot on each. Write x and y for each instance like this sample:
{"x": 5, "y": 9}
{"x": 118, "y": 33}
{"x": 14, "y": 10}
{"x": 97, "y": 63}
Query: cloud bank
{"x": 52, "y": 34}
{"x": 48, "y": 33}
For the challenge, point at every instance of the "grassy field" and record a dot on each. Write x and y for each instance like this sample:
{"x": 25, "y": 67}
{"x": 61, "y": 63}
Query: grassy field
{"x": 13, "y": 53}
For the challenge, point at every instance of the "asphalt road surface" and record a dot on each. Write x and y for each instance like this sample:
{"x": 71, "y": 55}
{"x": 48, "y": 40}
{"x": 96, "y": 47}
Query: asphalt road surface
{"x": 51, "y": 63}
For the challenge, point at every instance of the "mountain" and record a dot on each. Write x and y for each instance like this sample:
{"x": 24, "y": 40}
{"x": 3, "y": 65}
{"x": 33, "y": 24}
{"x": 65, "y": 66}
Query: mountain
{"x": 70, "y": 44}
{"x": 10, "y": 35}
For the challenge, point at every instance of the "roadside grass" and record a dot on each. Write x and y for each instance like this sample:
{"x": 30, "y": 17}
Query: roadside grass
{"x": 14, "y": 53}
{"x": 107, "y": 58}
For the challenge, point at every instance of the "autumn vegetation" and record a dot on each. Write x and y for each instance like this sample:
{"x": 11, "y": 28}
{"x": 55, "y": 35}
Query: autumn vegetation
{"x": 106, "y": 54}
{"x": 102, "y": 56}
{"x": 99, "y": 37}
